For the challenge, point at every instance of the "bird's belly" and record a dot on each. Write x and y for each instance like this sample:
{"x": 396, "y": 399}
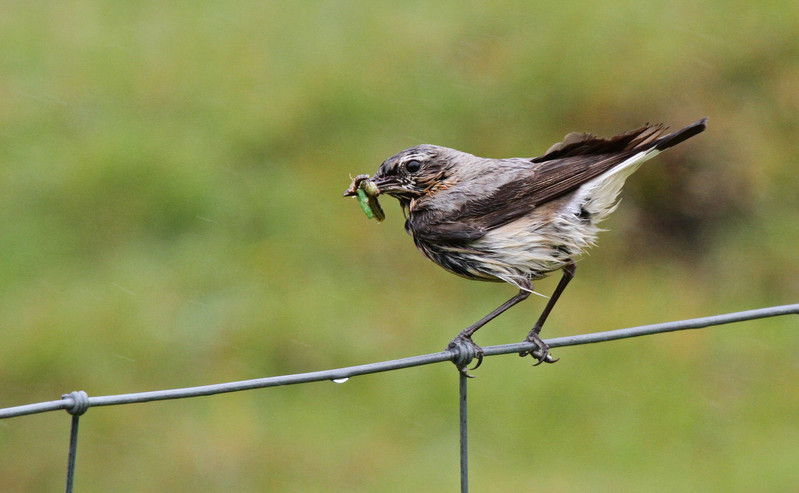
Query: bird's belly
{"x": 518, "y": 252}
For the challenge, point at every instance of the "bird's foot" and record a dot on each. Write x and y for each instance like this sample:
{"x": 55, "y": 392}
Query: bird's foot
{"x": 465, "y": 351}
{"x": 541, "y": 353}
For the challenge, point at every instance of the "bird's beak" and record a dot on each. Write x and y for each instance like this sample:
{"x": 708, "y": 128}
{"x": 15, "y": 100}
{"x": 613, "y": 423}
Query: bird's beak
{"x": 388, "y": 185}
{"x": 382, "y": 183}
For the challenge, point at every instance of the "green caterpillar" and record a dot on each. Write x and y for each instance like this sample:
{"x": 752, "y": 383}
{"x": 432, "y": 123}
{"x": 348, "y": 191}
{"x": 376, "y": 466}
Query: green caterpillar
{"x": 367, "y": 197}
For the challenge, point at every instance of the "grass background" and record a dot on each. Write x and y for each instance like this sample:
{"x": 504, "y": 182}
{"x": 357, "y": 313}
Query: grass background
{"x": 171, "y": 215}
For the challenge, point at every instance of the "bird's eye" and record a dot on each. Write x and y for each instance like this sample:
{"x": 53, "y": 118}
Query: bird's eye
{"x": 413, "y": 166}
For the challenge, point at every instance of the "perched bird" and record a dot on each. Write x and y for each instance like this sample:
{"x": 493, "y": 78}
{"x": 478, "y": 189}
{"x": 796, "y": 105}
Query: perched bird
{"x": 513, "y": 220}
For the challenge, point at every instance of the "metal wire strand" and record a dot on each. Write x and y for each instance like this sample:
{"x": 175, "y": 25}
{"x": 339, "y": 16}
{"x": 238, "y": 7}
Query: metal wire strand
{"x": 69, "y": 402}
{"x": 78, "y": 402}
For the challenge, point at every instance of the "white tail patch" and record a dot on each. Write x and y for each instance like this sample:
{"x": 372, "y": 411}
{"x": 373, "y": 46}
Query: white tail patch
{"x": 600, "y": 193}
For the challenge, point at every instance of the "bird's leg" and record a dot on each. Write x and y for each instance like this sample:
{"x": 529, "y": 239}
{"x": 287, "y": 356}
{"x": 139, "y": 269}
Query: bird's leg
{"x": 542, "y": 353}
{"x": 465, "y": 336}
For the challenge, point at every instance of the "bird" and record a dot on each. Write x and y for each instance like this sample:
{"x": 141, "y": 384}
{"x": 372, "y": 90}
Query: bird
{"x": 514, "y": 220}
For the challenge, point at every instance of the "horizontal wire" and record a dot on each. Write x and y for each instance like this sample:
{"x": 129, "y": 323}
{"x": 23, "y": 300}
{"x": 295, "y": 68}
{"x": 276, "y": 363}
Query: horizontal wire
{"x": 68, "y": 401}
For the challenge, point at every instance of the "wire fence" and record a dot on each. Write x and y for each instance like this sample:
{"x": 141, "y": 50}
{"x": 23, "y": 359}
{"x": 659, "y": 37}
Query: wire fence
{"x": 76, "y": 403}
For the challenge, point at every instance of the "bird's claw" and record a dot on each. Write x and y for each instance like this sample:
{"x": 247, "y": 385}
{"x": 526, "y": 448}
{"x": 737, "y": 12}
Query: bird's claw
{"x": 541, "y": 353}
{"x": 466, "y": 350}
{"x": 543, "y": 357}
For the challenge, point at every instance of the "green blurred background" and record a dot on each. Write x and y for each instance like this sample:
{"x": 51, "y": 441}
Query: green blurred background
{"x": 171, "y": 215}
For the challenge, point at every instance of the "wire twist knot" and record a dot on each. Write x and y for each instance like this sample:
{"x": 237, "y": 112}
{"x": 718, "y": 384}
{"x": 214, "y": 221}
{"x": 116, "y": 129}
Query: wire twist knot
{"x": 463, "y": 353}
{"x": 80, "y": 402}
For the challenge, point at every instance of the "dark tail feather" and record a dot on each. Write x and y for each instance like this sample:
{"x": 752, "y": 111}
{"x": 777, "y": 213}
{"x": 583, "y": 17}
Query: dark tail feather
{"x": 686, "y": 133}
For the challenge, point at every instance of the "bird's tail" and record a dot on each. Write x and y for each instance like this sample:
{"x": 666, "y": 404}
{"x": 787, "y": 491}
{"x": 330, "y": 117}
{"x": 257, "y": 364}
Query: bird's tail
{"x": 686, "y": 133}
{"x": 601, "y": 192}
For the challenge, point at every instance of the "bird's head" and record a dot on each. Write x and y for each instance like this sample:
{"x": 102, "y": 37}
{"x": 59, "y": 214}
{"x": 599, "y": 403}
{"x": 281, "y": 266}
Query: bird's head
{"x": 416, "y": 173}
{"x": 413, "y": 172}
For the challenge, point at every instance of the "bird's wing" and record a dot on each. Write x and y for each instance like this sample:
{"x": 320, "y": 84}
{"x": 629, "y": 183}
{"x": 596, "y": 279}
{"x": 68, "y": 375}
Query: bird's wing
{"x": 541, "y": 182}
{"x": 563, "y": 168}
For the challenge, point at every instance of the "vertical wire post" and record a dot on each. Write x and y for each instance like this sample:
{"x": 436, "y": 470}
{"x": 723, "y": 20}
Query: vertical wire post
{"x": 464, "y": 437}
{"x": 78, "y": 403}
{"x": 73, "y": 449}
{"x": 462, "y": 354}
